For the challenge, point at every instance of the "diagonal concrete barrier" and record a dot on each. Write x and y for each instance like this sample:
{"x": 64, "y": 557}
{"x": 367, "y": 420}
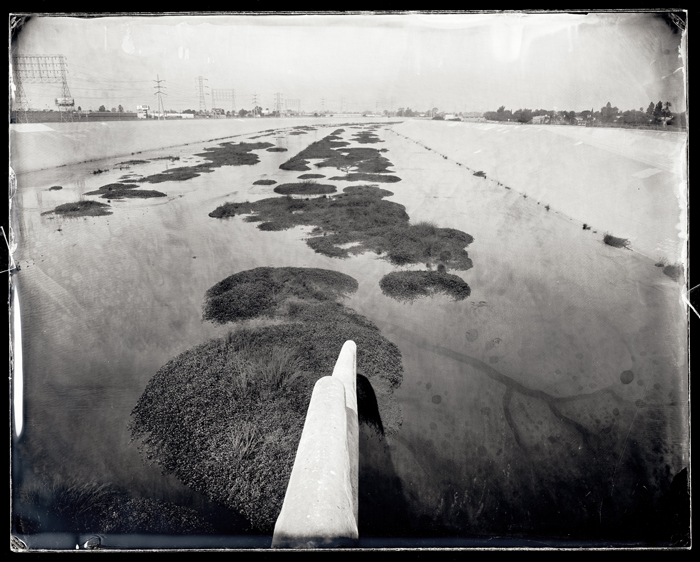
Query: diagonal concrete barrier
{"x": 320, "y": 505}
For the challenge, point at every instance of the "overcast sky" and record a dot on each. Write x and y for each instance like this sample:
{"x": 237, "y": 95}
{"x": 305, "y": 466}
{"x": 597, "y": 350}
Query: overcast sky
{"x": 456, "y": 62}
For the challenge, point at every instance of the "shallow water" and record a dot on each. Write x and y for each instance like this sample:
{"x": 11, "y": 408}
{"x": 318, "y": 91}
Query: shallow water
{"x": 513, "y": 402}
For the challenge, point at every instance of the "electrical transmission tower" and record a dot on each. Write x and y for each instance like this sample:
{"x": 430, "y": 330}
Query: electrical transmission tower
{"x": 278, "y": 103}
{"x": 323, "y": 105}
{"x": 41, "y": 69}
{"x": 161, "y": 108}
{"x": 255, "y": 104}
{"x": 222, "y": 95}
{"x": 202, "y": 102}
{"x": 293, "y": 105}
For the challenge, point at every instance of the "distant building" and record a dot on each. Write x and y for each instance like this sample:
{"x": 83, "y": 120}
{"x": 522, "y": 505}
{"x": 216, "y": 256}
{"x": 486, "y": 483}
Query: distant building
{"x": 540, "y": 119}
{"x": 142, "y": 111}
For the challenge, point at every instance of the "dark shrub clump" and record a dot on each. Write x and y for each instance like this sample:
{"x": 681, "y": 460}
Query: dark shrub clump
{"x": 410, "y": 285}
{"x": 675, "y": 271}
{"x": 616, "y": 242}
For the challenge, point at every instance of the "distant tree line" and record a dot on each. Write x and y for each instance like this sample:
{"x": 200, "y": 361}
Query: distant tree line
{"x": 655, "y": 114}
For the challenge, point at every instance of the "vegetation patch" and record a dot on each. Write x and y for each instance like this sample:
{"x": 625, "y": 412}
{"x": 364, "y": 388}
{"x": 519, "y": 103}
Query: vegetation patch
{"x": 311, "y": 176}
{"x": 124, "y": 190}
{"x": 225, "y": 154}
{"x": 130, "y": 162}
{"x": 319, "y": 149}
{"x": 55, "y": 187}
{"x": 83, "y": 209}
{"x": 264, "y": 182}
{"x": 364, "y": 160}
{"x": 276, "y": 149}
{"x": 411, "y": 285}
{"x": 171, "y": 158}
{"x": 307, "y": 187}
{"x": 356, "y": 176}
{"x": 675, "y": 271}
{"x": 298, "y": 133}
{"x": 261, "y": 291}
{"x": 480, "y": 174}
{"x": 360, "y": 215}
{"x": 366, "y": 137}
{"x": 239, "y": 402}
{"x": 177, "y": 174}
{"x": 616, "y": 242}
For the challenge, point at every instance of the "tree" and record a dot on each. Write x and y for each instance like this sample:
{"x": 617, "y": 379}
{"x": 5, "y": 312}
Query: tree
{"x": 80, "y": 108}
{"x": 120, "y": 109}
{"x": 114, "y": 110}
{"x": 102, "y": 108}
{"x": 608, "y": 113}
{"x": 523, "y": 115}
{"x": 667, "y": 109}
{"x": 569, "y": 117}
{"x": 658, "y": 112}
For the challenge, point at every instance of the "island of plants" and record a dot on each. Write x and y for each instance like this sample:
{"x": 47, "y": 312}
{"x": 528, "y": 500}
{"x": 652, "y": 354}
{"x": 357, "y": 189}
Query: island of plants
{"x": 226, "y": 416}
{"x": 362, "y": 216}
{"x": 124, "y": 190}
{"x": 81, "y": 209}
{"x": 410, "y": 285}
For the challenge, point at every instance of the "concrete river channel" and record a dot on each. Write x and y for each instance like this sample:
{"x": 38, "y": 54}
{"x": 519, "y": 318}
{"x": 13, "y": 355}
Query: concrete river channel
{"x": 549, "y": 407}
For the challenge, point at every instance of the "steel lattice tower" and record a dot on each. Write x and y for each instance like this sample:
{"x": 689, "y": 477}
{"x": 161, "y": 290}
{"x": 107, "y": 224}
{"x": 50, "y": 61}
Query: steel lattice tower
{"x": 278, "y": 102}
{"x": 225, "y": 94}
{"x": 41, "y": 69}
{"x": 202, "y": 101}
{"x": 161, "y": 108}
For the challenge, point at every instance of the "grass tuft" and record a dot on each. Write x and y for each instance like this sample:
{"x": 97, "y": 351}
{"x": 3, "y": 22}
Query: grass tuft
{"x": 615, "y": 242}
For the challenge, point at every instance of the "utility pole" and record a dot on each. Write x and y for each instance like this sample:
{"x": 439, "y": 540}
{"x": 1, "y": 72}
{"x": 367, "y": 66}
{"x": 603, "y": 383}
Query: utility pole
{"x": 161, "y": 107}
{"x": 202, "y": 93}
{"x": 255, "y": 104}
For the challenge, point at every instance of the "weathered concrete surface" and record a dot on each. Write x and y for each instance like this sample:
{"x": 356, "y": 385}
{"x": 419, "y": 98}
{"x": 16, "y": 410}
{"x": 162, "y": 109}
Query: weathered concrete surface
{"x": 630, "y": 183}
{"x": 346, "y": 371}
{"x": 318, "y": 506}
